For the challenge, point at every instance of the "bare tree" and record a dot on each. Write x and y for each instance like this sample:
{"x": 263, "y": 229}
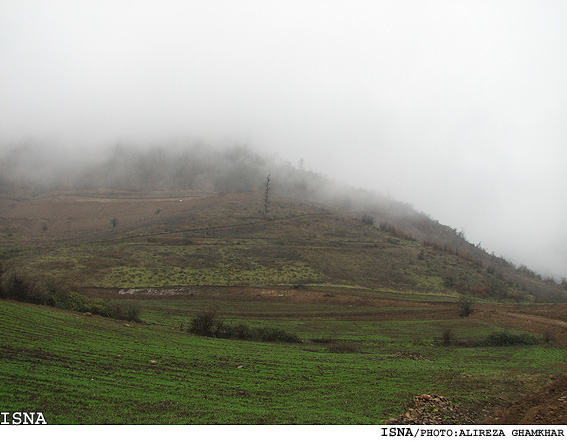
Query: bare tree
{"x": 267, "y": 197}
{"x": 465, "y": 304}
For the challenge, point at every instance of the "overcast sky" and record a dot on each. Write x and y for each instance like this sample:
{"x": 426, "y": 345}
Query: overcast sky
{"x": 457, "y": 107}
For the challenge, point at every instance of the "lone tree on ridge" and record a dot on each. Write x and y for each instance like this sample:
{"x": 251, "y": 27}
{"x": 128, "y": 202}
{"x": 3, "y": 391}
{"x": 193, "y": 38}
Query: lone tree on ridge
{"x": 267, "y": 197}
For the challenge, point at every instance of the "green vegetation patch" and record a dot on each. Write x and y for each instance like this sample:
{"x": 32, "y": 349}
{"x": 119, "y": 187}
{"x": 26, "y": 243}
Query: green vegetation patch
{"x": 140, "y": 265}
{"x": 51, "y": 293}
{"x": 147, "y": 374}
{"x": 505, "y": 338}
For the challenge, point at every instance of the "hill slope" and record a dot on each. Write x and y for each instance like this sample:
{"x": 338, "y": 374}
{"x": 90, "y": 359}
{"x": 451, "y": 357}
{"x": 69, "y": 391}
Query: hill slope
{"x": 174, "y": 189}
{"x": 127, "y": 240}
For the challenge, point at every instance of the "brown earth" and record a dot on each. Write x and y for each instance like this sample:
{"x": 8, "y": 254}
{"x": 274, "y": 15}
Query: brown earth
{"x": 547, "y": 320}
{"x": 408, "y": 310}
{"x": 87, "y": 217}
{"x": 547, "y": 406}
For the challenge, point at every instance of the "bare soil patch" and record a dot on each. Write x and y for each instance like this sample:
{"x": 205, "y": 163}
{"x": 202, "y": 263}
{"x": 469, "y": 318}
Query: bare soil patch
{"x": 392, "y": 309}
{"x": 88, "y": 217}
{"x": 547, "y": 406}
{"x": 539, "y": 319}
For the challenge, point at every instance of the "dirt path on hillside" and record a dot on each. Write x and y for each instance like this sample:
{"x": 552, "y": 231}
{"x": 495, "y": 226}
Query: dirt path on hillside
{"x": 554, "y": 329}
{"x": 218, "y": 227}
{"x": 536, "y": 318}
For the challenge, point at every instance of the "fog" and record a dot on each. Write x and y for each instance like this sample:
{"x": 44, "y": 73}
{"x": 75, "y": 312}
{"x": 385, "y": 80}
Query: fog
{"x": 456, "y": 107}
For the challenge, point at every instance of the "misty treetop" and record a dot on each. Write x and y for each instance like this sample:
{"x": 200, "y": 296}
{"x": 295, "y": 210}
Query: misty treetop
{"x": 28, "y": 170}
{"x": 31, "y": 170}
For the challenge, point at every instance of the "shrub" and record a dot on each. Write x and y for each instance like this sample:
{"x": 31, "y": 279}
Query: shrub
{"x": 367, "y": 219}
{"x": 447, "y": 337}
{"x": 19, "y": 288}
{"x": 221, "y": 330}
{"x": 275, "y": 334}
{"x": 243, "y": 332}
{"x": 204, "y": 323}
{"x": 129, "y": 311}
{"x": 53, "y": 293}
{"x": 508, "y": 339}
{"x": 465, "y": 306}
{"x": 548, "y": 337}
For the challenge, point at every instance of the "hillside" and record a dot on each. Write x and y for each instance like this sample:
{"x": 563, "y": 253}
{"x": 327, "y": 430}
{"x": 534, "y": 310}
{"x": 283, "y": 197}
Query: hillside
{"x": 375, "y": 312}
{"x": 191, "y": 192}
{"x": 155, "y": 239}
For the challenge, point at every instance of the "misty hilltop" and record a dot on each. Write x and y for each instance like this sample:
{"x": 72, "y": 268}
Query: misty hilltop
{"x": 46, "y": 199}
{"x": 455, "y": 108}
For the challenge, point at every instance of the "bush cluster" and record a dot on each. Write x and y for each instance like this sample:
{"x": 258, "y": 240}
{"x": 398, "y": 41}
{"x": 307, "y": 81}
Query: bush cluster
{"x": 207, "y": 324}
{"x": 465, "y": 306}
{"x": 53, "y": 293}
{"x": 447, "y": 337}
{"x": 508, "y": 339}
{"x": 367, "y": 219}
{"x": 503, "y": 338}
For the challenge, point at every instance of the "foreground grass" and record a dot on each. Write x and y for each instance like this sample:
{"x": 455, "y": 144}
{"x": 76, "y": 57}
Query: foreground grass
{"x": 94, "y": 370}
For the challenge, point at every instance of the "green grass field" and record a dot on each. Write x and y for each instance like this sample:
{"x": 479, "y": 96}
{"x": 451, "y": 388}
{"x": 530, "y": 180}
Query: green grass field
{"x": 93, "y": 370}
